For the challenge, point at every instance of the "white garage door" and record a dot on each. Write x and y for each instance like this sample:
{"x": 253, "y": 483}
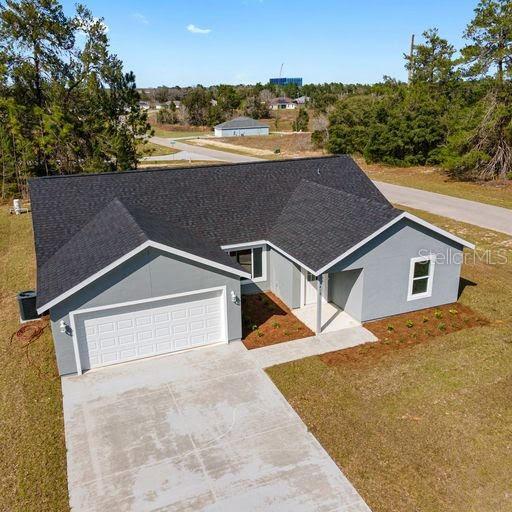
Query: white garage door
{"x": 118, "y": 334}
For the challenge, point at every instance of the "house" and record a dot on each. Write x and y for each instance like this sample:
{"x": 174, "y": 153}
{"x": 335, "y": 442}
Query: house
{"x": 241, "y": 126}
{"x": 301, "y": 100}
{"x": 282, "y": 104}
{"x": 144, "y": 105}
{"x": 139, "y": 263}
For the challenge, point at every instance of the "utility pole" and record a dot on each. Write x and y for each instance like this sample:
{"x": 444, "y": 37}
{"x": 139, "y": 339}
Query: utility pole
{"x": 411, "y": 58}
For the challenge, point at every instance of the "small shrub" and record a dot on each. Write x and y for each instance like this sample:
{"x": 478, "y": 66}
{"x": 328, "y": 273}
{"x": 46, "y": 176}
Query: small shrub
{"x": 390, "y": 328}
{"x": 276, "y": 325}
{"x": 254, "y": 327}
{"x": 453, "y": 312}
{"x": 286, "y": 333}
{"x": 409, "y": 323}
{"x": 260, "y": 334}
{"x": 438, "y": 314}
{"x": 299, "y": 328}
{"x": 425, "y": 319}
{"x": 442, "y": 326}
{"x": 277, "y": 151}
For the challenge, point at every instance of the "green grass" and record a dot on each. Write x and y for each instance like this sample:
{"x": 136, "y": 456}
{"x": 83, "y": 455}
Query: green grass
{"x": 177, "y": 134}
{"x": 434, "y": 180}
{"x": 32, "y": 450}
{"x": 428, "y": 427}
{"x": 151, "y": 149}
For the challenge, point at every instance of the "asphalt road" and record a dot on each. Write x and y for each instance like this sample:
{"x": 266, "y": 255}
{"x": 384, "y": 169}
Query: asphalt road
{"x": 190, "y": 152}
{"x": 472, "y": 212}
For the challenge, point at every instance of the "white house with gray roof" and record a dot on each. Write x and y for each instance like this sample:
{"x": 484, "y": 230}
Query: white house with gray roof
{"x": 140, "y": 263}
{"x": 241, "y": 126}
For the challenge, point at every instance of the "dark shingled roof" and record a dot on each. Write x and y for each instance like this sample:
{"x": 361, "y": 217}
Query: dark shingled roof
{"x": 319, "y": 223}
{"x": 313, "y": 208}
{"x": 111, "y": 234}
{"x": 241, "y": 122}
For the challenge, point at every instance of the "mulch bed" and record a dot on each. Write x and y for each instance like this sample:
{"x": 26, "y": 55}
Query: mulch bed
{"x": 266, "y": 320}
{"x": 403, "y": 331}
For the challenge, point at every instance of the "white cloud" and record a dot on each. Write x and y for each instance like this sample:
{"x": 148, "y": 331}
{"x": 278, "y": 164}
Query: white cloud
{"x": 196, "y": 30}
{"x": 140, "y": 18}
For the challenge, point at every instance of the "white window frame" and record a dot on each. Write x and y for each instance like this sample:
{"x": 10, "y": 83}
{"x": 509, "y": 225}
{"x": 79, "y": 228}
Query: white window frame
{"x": 263, "y": 248}
{"x": 430, "y": 278}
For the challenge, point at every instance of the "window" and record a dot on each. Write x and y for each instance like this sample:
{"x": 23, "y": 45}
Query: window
{"x": 421, "y": 274}
{"x": 252, "y": 261}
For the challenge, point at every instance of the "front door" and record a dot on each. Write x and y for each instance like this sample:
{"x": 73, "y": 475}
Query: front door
{"x": 310, "y": 284}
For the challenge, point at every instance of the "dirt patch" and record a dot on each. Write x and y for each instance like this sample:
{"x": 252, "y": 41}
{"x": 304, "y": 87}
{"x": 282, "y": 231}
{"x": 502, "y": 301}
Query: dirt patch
{"x": 289, "y": 145}
{"x": 266, "y": 320}
{"x": 403, "y": 331}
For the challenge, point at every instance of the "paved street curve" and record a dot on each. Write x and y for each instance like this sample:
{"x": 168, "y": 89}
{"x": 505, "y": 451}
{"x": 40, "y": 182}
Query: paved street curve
{"x": 472, "y": 212}
{"x": 200, "y": 153}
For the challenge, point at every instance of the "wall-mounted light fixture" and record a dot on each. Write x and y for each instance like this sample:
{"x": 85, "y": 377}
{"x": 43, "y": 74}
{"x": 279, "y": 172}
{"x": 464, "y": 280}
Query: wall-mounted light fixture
{"x": 63, "y": 327}
{"x": 234, "y": 298}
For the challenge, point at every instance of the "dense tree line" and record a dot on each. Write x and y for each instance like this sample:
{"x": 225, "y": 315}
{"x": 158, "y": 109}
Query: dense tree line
{"x": 455, "y": 111}
{"x": 66, "y": 105}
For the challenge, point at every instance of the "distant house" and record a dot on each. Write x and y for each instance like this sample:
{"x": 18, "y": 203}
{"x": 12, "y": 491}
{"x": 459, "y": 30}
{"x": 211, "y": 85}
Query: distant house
{"x": 241, "y": 126}
{"x": 282, "y": 104}
{"x": 301, "y": 100}
{"x": 144, "y": 105}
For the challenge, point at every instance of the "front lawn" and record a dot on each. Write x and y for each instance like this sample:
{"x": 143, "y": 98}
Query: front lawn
{"x": 32, "y": 450}
{"x": 426, "y": 427}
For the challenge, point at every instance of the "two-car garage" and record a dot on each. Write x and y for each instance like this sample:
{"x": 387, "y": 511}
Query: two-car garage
{"x": 118, "y": 333}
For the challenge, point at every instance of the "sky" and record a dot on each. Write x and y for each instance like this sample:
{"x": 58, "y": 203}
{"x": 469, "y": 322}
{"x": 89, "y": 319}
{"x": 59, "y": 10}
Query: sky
{"x": 189, "y": 42}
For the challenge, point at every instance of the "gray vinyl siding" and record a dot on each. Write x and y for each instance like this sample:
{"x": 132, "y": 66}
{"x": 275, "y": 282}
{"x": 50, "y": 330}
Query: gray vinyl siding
{"x": 240, "y": 132}
{"x": 151, "y": 273}
{"x": 285, "y": 279}
{"x": 346, "y": 291}
{"x": 385, "y": 264}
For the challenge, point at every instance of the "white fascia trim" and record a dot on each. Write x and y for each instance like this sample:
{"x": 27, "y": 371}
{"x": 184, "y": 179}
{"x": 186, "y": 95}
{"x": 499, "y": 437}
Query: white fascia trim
{"x": 127, "y": 256}
{"x": 442, "y": 232}
{"x": 404, "y": 215}
{"x": 247, "y": 245}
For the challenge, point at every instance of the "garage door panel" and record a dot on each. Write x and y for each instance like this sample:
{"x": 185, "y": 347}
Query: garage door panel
{"x": 120, "y": 335}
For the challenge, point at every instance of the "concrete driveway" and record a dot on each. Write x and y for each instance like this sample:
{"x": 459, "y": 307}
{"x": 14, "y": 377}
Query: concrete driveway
{"x": 204, "y": 430}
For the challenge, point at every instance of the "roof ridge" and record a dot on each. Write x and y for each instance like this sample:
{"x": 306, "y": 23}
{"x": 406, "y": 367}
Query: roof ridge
{"x": 115, "y": 201}
{"x": 189, "y": 169}
{"x": 379, "y": 204}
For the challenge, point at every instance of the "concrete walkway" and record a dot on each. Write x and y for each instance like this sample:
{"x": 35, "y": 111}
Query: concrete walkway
{"x": 201, "y": 153}
{"x": 204, "y": 430}
{"x": 315, "y": 345}
{"x": 333, "y": 318}
{"x": 472, "y": 212}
